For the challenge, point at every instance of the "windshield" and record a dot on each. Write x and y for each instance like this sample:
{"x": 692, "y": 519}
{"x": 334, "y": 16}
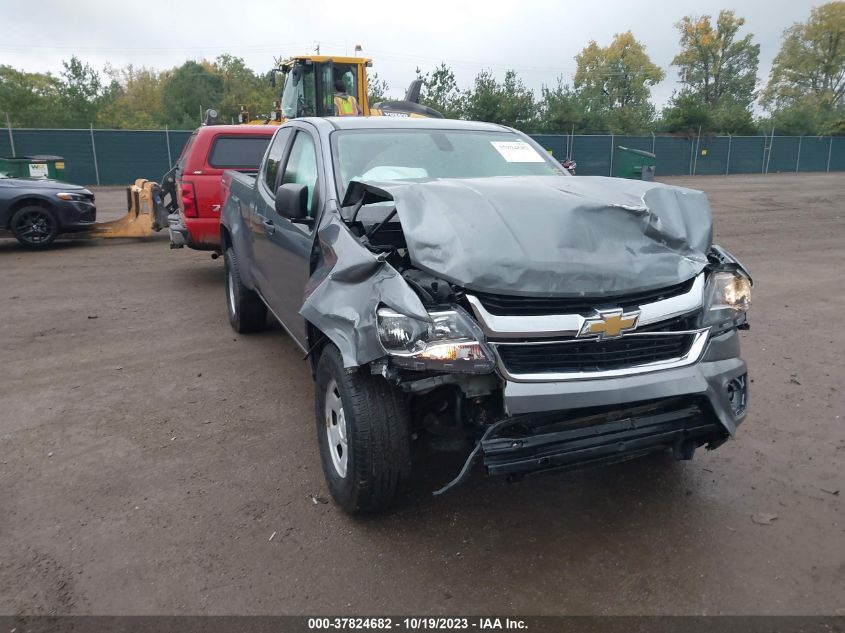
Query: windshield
{"x": 426, "y": 154}
{"x": 299, "y": 95}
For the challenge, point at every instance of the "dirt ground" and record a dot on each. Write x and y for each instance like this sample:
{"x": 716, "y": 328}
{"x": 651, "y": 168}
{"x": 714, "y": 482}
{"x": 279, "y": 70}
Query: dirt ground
{"x": 149, "y": 453}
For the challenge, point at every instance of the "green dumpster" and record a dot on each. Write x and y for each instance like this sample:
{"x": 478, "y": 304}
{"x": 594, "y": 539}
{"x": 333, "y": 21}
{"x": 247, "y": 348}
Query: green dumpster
{"x": 636, "y": 164}
{"x": 39, "y": 166}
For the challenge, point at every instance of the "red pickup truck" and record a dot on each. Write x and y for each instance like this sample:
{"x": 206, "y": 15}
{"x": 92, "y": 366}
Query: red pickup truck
{"x": 195, "y": 182}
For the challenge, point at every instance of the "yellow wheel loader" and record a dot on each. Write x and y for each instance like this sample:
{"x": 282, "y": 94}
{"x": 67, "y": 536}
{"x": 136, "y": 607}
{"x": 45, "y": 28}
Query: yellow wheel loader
{"x": 308, "y": 89}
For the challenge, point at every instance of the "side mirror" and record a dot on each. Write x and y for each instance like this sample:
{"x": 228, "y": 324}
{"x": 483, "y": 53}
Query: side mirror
{"x": 292, "y": 201}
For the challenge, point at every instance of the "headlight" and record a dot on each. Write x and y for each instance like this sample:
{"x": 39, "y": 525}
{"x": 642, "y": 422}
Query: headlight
{"x": 451, "y": 341}
{"x": 727, "y": 296}
{"x": 74, "y": 196}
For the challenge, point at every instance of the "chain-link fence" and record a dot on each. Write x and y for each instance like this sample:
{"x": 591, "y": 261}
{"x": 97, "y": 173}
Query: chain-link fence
{"x": 705, "y": 155}
{"x": 116, "y": 157}
{"x": 100, "y": 157}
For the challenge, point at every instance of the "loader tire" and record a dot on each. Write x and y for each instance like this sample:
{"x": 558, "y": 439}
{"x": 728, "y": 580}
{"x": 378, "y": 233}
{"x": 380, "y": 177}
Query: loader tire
{"x": 34, "y": 226}
{"x": 247, "y": 312}
{"x": 364, "y": 435}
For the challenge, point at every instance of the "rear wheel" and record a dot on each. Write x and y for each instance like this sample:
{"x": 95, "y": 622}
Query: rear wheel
{"x": 247, "y": 312}
{"x": 363, "y": 430}
{"x": 34, "y": 226}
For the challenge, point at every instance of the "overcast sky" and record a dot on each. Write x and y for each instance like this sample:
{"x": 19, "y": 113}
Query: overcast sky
{"x": 537, "y": 38}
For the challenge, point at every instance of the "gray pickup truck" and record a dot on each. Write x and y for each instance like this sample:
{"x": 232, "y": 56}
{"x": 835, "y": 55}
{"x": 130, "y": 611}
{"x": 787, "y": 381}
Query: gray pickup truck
{"x": 450, "y": 283}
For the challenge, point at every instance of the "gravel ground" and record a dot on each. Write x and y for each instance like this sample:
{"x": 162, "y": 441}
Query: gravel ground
{"x": 149, "y": 454}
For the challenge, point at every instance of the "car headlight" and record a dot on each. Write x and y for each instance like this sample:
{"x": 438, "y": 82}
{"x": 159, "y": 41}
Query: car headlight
{"x": 72, "y": 196}
{"x": 451, "y": 342}
{"x": 727, "y": 296}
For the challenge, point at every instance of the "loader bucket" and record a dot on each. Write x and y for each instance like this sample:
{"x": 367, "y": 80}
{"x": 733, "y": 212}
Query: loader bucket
{"x": 145, "y": 213}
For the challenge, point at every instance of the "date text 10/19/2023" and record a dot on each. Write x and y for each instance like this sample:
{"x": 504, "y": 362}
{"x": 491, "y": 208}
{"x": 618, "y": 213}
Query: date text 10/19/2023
{"x": 417, "y": 623}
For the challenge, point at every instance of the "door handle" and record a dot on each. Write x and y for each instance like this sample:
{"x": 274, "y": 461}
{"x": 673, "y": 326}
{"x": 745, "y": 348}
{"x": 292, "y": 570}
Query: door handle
{"x": 269, "y": 227}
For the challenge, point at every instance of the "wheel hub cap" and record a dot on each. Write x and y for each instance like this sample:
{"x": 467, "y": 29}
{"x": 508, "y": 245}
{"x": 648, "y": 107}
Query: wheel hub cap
{"x": 230, "y": 291}
{"x": 34, "y": 227}
{"x": 336, "y": 429}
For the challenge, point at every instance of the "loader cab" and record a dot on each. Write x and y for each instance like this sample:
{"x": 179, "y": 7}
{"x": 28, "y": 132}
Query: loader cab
{"x": 309, "y": 84}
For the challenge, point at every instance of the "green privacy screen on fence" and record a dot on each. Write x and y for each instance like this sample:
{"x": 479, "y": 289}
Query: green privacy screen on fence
{"x": 121, "y": 155}
{"x": 118, "y": 157}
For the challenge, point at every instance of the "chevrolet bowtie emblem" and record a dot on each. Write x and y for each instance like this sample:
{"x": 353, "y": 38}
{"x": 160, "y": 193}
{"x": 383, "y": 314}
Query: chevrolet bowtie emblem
{"x": 609, "y": 323}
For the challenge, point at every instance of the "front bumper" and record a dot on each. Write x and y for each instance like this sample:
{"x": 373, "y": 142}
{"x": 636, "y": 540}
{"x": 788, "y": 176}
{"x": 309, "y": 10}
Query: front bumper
{"x": 681, "y": 424}
{"x": 710, "y": 379}
{"x": 76, "y": 215}
{"x": 574, "y": 423}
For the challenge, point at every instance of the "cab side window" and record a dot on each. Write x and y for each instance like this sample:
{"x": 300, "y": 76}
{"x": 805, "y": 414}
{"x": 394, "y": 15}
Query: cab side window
{"x": 301, "y": 168}
{"x": 274, "y": 159}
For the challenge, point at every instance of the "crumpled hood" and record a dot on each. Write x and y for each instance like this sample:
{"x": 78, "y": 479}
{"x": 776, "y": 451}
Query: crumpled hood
{"x": 551, "y": 235}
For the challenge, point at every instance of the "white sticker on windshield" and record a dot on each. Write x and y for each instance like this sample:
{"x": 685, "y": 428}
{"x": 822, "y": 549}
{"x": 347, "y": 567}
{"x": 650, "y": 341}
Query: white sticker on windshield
{"x": 517, "y": 152}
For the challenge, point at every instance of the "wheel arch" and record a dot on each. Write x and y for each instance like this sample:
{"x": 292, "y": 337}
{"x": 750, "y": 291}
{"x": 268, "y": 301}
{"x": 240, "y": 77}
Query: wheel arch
{"x": 225, "y": 238}
{"x": 29, "y": 200}
{"x": 317, "y": 341}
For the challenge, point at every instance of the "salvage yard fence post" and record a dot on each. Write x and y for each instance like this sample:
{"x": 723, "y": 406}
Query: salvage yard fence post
{"x": 94, "y": 152}
{"x": 728, "y": 159}
{"x": 11, "y": 137}
{"x": 167, "y": 141}
{"x": 829, "y": 153}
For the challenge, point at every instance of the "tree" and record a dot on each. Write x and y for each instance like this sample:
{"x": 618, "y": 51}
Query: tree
{"x": 508, "y": 103}
{"x": 560, "y": 109}
{"x": 376, "y": 89}
{"x": 713, "y": 63}
{"x": 241, "y": 86}
{"x": 137, "y": 99}
{"x": 614, "y": 83}
{"x": 187, "y": 91}
{"x": 811, "y": 59}
{"x": 440, "y": 91}
{"x": 29, "y": 99}
{"x": 806, "y": 89}
{"x": 686, "y": 113}
{"x": 81, "y": 95}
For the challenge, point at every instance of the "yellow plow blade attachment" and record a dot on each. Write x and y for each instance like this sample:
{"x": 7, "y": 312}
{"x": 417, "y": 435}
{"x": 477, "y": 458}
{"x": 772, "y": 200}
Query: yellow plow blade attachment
{"x": 145, "y": 214}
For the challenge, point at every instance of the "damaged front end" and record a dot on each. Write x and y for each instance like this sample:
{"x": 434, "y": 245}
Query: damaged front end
{"x": 538, "y": 323}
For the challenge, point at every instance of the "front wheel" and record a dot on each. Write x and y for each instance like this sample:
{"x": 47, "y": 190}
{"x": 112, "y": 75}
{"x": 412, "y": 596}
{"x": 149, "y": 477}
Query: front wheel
{"x": 34, "y": 226}
{"x": 363, "y": 430}
{"x": 247, "y": 312}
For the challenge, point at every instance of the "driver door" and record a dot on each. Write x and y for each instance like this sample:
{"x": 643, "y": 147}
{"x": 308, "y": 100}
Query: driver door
{"x": 286, "y": 268}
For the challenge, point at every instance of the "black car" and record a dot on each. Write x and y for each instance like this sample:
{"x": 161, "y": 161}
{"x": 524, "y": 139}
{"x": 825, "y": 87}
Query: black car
{"x": 37, "y": 211}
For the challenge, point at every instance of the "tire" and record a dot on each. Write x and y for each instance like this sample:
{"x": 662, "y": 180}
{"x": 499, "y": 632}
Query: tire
{"x": 34, "y": 226}
{"x": 246, "y": 310}
{"x": 375, "y": 438}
